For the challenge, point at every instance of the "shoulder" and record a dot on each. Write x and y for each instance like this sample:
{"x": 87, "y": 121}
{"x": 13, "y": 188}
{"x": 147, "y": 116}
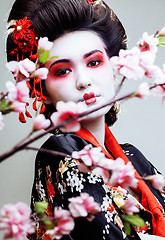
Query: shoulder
{"x": 65, "y": 143}
{"x": 140, "y": 162}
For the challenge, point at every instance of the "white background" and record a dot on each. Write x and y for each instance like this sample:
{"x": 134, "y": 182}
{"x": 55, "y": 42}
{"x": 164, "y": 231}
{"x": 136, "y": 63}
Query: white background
{"x": 141, "y": 121}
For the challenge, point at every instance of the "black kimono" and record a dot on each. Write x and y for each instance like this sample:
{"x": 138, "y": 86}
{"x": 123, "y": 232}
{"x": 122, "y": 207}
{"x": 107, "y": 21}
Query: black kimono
{"x": 58, "y": 178}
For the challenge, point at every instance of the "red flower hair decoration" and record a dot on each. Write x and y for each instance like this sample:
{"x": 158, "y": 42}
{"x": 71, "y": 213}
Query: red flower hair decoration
{"x": 24, "y": 36}
{"x": 27, "y": 42}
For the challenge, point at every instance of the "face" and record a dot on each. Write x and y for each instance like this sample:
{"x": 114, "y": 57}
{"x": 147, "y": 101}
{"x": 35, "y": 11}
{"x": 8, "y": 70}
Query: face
{"x": 81, "y": 73}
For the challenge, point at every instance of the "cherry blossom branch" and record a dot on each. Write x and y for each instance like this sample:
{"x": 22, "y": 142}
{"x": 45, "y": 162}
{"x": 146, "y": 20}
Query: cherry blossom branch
{"x": 120, "y": 86}
{"x": 20, "y": 147}
{"x": 52, "y": 129}
{"x": 52, "y": 152}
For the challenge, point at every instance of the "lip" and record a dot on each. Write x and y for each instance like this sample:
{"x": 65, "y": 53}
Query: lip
{"x": 89, "y": 98}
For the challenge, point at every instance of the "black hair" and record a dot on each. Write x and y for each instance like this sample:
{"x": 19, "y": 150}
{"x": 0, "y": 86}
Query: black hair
{"x": 53, "y": 18}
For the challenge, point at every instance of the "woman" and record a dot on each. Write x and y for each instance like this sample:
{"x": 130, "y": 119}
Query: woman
{"x": 85, "y": 35}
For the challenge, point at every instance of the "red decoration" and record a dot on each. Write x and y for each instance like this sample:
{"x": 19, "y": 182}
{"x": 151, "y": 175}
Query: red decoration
{"x": 90, "y": 1}
{"x": 27, "y": 42}
{"x": 24, "y": 36}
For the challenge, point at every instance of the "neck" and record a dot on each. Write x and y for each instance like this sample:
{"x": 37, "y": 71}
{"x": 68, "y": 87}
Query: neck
{"x": 97, "y": 128}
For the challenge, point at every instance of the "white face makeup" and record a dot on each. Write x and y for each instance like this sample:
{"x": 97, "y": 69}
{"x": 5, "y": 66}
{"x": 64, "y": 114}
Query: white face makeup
{"x": 82, "y": 71}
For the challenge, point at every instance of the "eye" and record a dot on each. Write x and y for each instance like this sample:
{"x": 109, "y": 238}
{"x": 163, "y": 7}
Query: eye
{"x": 94, "y": 63}
{"x": 62, "y": 72}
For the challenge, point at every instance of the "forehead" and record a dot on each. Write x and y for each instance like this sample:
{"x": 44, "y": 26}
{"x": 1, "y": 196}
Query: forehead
{"x": 76, "y": 44}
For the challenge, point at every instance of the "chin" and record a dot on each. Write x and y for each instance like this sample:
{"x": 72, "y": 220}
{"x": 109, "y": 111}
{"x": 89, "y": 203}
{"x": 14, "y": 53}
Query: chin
{"x": 95, "y": 115}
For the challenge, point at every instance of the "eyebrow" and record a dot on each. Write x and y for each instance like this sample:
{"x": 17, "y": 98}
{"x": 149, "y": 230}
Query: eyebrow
{"x": 66, "y": 60}
{"x": 59, "y": 61}
{"x": 92, "y": 52}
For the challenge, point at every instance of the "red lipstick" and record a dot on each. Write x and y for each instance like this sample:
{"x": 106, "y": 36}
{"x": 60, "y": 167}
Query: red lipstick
{"x": 89, "y": 98}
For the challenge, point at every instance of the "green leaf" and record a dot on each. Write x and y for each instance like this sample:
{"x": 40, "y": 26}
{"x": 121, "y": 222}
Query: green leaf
{"x": 48, "y": 225}
{"x": 5, "y": 107}
{"x": 161, "y": 38}
{"x": 43, "y": 58}
{"x": 127, "y": 227}
{"x": 161, "y": 44}
{"x": 41, "y": 207}
{"x": 52, "y": 58}
{"x": 135, "y": 220}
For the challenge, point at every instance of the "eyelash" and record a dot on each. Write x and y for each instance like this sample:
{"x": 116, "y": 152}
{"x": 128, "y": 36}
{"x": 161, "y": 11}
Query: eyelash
{"x": 61, "y": 71}
{"x": 64, "y": 71}
{"x": 98, "y": 61}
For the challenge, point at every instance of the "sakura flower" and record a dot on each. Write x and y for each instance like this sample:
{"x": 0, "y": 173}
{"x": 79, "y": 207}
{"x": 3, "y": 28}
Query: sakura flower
{"x": 44, "y": 44}
{"x": 15, "y": 221}
{"x": 102, "y": 173}
{"x": 157, "y": 181}
{"x": 143, "y": 90}
{"x": 40, "y": 122}
{"x": 147, "y": 60}
{"x": 41, "y": 73}
{"x": 18, "y": 106}
{"x": 1, "y": 121}
{"x": 66, "y": 111}
{"x": 148, "y": 43}
{"x": 127, "y": 64}
{"x": 130, "y": 207}
{"x": 83, "y": 206}
{"x": 123, "y": 174}
{"x": 162, "y": 32}
{"x": 22, "y": 91}
{"x": 12, "y": 66}
{"x": 89, "y": 155}
{"x": 25, "y": 67}
{"x": 64, "y": 223}
{"x": 17, "y": 94}
{"x": 12, "y": 91}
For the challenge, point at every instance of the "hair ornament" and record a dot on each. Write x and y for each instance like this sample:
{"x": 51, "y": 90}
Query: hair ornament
{"x": 24, "y": 36}
{"x": 26, "y": 44}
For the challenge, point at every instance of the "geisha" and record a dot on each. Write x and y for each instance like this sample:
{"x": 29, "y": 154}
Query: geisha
{"x": 85, "y": 35}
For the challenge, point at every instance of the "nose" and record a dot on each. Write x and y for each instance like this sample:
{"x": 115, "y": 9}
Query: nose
{"x": 83, "y": 80}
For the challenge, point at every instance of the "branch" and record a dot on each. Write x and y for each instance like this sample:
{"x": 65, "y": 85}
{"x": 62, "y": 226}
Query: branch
{"x": 52, "y": 129}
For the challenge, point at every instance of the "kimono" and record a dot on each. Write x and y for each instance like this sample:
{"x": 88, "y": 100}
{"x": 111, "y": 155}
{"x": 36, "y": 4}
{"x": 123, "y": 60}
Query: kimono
{"x": 58, "y": 178}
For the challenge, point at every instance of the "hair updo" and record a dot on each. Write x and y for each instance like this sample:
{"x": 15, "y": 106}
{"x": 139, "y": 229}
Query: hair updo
{"x": 54, "y": 18}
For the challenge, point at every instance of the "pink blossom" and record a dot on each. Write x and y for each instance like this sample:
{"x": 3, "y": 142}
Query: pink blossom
{"x": 160, "y": 75}
{"x": 147, "y": 60}
{"x": 102, "y": 173}
{"x": 12, "y": 66}
{"x": 162, "y": 32}
{"x": 18, "y": 106}
{"x": 143, "y": 90}
{"x": 25, "y": 67}
{"x": 40, "y": 122}
{"x": 12, "y": 91}
{"x": 65, "y": 223}
{"x": 127, "y": 64}
{"x": 66, "y": 111}
{"x": 148, "y": 43}
{"x": 83, "y": 206}
{"x": 157, "y": 181}
{"x": 41, "y": 73}
{"x": 15, "y": 221}
{"x": 22, "y": 91}
{"x": 130, "y": 207}
{"x": 17, "y": 92}
{"x": 45, "y": 44}
{"x": 123, "y": 174}
{"x": 1, "y": 121}
{"x": 89, "y": 155}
